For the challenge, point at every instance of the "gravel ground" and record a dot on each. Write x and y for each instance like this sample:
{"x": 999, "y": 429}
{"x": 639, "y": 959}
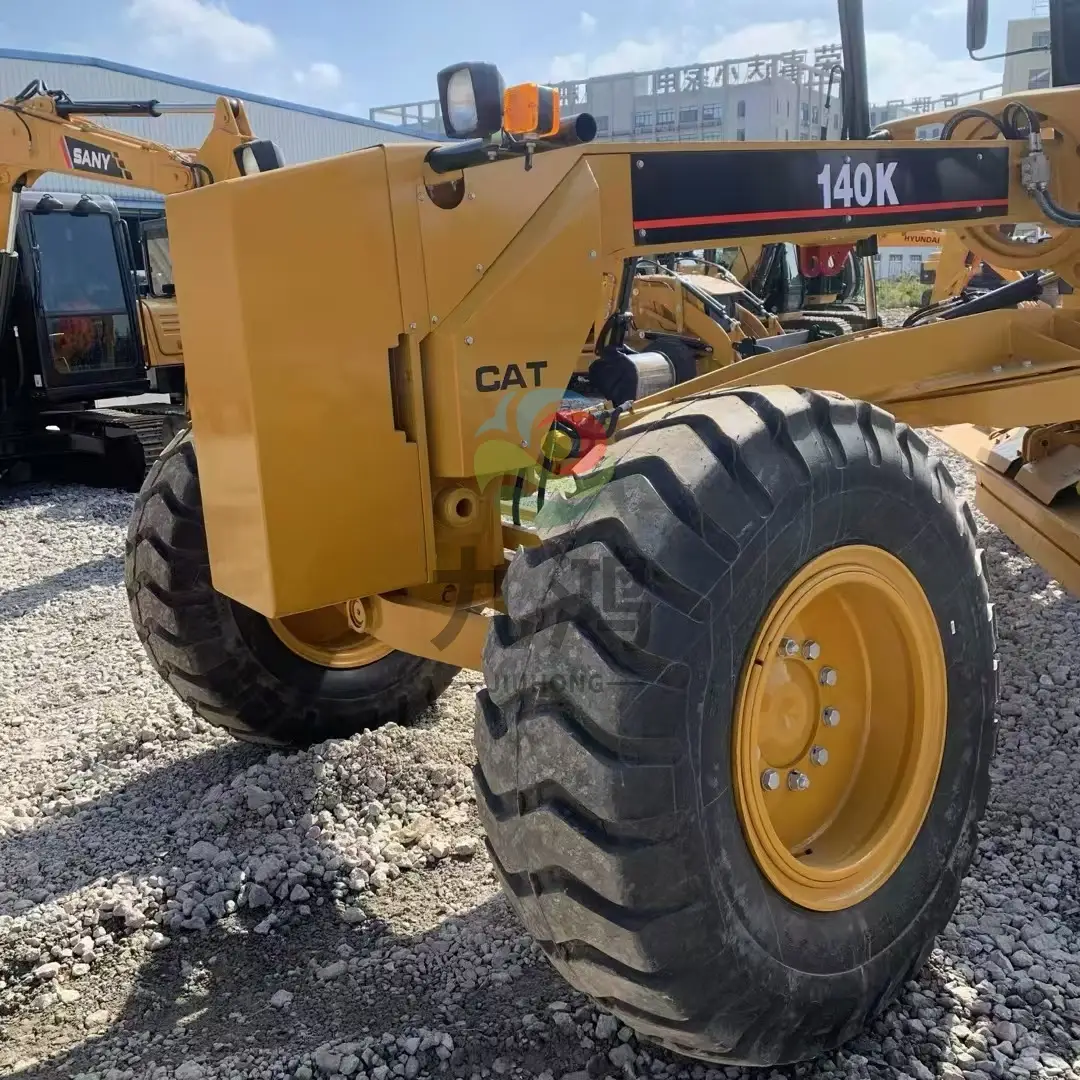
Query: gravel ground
{"x": 173, "y": 904}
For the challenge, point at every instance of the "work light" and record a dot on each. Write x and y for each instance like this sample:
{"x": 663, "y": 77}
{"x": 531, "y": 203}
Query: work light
{"x": 471, "y": 99}
{"x": 258, "y": 156}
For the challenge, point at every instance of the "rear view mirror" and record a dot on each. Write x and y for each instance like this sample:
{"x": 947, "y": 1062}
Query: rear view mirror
{"x": 977, "y": 18}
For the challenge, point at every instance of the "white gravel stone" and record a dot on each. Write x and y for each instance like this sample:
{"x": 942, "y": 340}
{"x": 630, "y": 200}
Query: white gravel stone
{"x": 466, "y": 847}
{"x": 140, "y": 850}
{"x": 606, "y": 1026}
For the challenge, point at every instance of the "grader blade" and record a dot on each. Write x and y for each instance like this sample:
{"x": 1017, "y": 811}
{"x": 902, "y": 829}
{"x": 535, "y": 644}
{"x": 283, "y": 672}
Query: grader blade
{"x": 1036, "y": 505}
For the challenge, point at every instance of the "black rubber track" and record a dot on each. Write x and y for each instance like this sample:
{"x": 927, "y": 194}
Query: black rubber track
{"x": 828, "y": 324}
{"x": 603, "y": 734}
{"x": 222, "y": 658}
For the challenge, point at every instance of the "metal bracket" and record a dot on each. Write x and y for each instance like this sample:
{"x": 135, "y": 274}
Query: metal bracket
{"x": 435, "y": 631}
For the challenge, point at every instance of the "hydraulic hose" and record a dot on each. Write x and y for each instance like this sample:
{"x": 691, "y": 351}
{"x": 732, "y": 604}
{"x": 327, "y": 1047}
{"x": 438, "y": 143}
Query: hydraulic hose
{"x": 1057, "y": 214}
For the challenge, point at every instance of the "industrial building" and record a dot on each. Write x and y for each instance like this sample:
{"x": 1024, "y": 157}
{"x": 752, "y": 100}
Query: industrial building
{"x": 896, "y": 109}
{"x": 302, "y": 132}
{"x": 1027, "y": 70}
{"x": 752, "y": 99}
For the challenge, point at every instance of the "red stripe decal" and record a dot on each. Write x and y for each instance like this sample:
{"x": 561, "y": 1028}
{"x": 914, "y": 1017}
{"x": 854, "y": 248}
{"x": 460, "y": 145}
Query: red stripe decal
{"x": 836, "y": 211}
{"x": 64, "y": 151}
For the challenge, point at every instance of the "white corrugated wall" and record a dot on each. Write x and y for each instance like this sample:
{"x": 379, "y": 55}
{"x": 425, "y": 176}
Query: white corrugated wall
{"x": 302, "y": 136}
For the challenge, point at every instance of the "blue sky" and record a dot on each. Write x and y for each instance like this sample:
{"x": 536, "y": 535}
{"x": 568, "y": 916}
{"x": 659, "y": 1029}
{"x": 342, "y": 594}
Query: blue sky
{"x": 350, "y": 55}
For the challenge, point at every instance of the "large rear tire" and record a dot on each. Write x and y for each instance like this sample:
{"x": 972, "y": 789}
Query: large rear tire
{"x": 229, "y": 663}
{"x": 611, "y": 732}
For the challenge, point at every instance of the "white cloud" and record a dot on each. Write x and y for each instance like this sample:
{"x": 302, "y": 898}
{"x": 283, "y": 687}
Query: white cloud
{"x": 763, "y": 39}
{"x": 172, "y": 25}
{"x": 659, "y": 50}
{"x": 628, "y": 55}
{"x": 902, "y": 67}
{"x": 587, "y": 23}
{"x": 655, "y": 51}
{"x": 945, "y": 9}
{"x": 321, "y": 75}
{"x": 568, "y": 66}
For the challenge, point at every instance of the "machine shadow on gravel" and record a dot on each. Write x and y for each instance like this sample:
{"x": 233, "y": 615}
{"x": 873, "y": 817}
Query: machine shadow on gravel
{"x": 106, "y": 571}
{"x": 214, "y": 987}
{"x": 85, "y": 844}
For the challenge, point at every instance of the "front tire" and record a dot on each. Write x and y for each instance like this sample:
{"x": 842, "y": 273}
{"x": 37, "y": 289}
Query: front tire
{"x": 607, "y": 778}
{"x": 226, "y": 661}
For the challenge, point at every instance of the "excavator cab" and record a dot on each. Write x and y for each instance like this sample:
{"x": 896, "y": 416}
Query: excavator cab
{"x": 159, "y": 313}
{"x": 70, "y": 338}
{"x": 74, "y": 308}
{"x": 795, "y": 281}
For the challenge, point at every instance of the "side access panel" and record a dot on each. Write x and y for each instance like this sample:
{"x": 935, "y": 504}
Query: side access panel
{"x": 291, "y": 310}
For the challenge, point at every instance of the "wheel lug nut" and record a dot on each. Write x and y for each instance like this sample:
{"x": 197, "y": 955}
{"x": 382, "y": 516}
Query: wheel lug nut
{"x": 827, "y": 676}
{"x": 770, "y": 779}
{"x": 819, "y": 755}
{"x": 789, "y": 647}
{"x": 797, "y": 781}
{"x": 830, "y": 717}
{"x": 811, "y": 650}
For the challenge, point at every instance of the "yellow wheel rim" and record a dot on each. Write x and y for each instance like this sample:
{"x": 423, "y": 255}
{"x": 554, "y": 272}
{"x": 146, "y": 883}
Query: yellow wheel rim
{"x": 326, "y": 637}
{"x": 831, "y": 801}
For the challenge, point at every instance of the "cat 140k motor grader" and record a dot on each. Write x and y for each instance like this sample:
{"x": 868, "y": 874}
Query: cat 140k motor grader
{"x": 736, "y": 731}
{"x": 74, "y": 328}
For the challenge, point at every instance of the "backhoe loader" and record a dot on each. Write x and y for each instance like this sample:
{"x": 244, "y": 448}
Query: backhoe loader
{"x": 801, "y": 282}
{"x": 735, "y": 738}
{"x": 74, "y": 329}
{"x": 696, "y": 313}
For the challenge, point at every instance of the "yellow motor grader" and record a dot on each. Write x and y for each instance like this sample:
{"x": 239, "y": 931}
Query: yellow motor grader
{"x": 735, "y": 737}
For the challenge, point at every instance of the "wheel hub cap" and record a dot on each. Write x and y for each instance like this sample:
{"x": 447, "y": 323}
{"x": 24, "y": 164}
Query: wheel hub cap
{"x": 851, "y": 724}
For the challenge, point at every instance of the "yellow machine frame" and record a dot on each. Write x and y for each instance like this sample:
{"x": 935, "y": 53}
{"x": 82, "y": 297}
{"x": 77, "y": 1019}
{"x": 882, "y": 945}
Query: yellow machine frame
{"x": 340, "y": 468}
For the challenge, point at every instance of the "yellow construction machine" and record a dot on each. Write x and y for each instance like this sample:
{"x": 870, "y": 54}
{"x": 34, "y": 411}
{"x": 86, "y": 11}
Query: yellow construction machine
{"x": 954, "y": 268}
{"x": 695, "y": 312}
{"x": 807, "y": 286}
{"x": 74, "y": 328}
{"x": 736, "y": 732}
